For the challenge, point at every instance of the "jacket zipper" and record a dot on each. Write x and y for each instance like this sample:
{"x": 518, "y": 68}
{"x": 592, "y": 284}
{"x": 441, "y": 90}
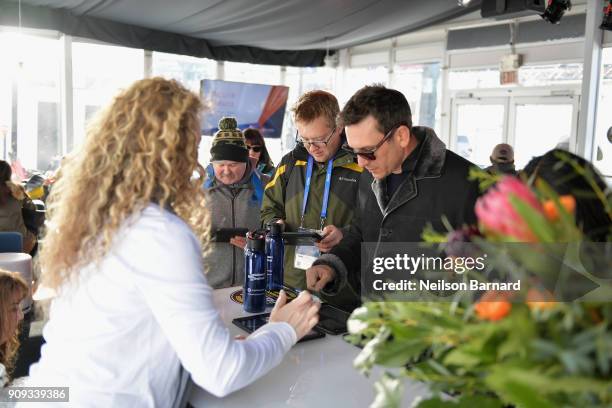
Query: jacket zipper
{"x": 233, "y": 247}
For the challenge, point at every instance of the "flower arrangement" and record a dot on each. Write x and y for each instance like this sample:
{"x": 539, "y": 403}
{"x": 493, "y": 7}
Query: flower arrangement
{"x": 496, "y": 350}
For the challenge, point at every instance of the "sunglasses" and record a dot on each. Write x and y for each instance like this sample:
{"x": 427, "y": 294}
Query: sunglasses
{"x": 256, "y": 149}
{"x": 315, "y": 143}
{"x": 368, "y": 154}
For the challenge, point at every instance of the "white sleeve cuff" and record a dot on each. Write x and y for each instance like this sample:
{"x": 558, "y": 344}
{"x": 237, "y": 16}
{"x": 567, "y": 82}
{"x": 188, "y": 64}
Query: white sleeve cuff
{"x": 283, "y": 330}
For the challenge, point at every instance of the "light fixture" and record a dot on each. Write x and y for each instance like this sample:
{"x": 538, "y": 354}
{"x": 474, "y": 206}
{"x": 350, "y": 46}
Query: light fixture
{"x": 330, "y": 60}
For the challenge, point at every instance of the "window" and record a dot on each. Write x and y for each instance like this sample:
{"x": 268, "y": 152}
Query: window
{"x": 529, "y": 75}
{"x": 259, "y": 74}
{"x": 603, "y": 145}
{"x": 294, "y": 80}
{"x": 479, "y": 126}
{"x": 187, "y": 70}
{"x": 7, "y": 73}
{"x": 357, "y": 78}
{"x": 556, "y": 74}
{"x": 473, "y": 78}
{"x": 97, "y": 78}
{"x": 300, "y": 81}
{"x": 420, "y": 84}
{"x": 323, "y": 78}
{"x": 539, "y": 127}
{"x": 29, "y": 101}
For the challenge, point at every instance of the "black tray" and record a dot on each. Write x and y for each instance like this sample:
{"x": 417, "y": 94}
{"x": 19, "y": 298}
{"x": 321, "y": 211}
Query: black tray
{"x": 254, "y": 322}
{"x": 332, "y": 320}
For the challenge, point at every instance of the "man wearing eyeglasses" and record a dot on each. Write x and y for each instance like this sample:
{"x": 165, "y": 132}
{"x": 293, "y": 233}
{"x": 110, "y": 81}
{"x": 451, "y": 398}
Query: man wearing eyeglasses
{"x": 314, "y": 188}
{"x": 412, "y": 180}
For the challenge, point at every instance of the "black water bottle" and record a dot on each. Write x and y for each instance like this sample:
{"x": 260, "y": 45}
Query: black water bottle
{"x": 254, "y": 273}
{"x": 275, "y": 256}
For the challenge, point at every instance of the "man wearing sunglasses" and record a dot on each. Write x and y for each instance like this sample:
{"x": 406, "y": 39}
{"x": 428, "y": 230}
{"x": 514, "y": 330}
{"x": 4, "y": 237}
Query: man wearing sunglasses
{"x": 412, "y": 180}
{"x": 314, "y": 187}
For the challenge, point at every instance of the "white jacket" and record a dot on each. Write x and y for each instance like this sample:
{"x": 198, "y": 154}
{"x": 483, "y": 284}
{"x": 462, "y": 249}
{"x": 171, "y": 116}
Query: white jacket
{"x": 3, "y": 376}
{"x": 118, "y": 338}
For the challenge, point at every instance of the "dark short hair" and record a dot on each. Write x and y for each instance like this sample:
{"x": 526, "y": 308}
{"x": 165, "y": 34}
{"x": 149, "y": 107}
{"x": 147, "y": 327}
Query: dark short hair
{"x": 5, "y": 171}
{"x": 388, "y": 106}
{"x": 254, "y": 135}
{"x": 554, "y": 168}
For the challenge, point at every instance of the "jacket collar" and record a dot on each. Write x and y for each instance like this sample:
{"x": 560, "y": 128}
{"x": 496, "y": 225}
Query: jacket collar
{"x": 425, "y": 161}
{"x": 251, "y": 180}
{"x": 212, "y": 183}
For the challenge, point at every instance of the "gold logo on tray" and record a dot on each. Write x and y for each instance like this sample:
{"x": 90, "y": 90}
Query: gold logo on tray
{"x": 271, "y": 296}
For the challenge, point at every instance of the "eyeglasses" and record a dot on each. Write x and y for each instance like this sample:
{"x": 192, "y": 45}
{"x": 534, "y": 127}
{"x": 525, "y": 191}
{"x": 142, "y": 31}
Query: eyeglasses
{"x": 315, "y": 143}
{"x": 256, "y": 149}
{"x": 368, "y": 154}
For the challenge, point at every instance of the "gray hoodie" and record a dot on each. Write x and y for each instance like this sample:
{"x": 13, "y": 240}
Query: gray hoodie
{"x": 231, "y": 206}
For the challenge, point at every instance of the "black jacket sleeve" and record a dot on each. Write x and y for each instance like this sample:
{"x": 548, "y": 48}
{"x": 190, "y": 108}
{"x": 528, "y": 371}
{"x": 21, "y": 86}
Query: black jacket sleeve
{"x": 345, "y": 258}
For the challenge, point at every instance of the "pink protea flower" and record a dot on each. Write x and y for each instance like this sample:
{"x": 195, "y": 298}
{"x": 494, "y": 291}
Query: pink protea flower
{"x": 496, "y": 214}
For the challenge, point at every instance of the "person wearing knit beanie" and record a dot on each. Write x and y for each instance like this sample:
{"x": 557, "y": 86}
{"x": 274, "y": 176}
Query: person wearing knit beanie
{"x": 229, "y": 155}
{"x": 229, "y": 143}
{"x": 234, "y": 194}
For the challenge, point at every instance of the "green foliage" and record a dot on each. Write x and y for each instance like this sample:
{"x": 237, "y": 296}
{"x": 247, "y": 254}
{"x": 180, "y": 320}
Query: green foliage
{"x": 485, "y": 179}
{"x": 558, "y": 355}
{"x": 534, "y": 219}
{"x": 566, "y": 227}
{"x": 581, "y": 171}
{"x": 532, "y": 358}
{"x": 389, "y": 390}
{"x": 430, "y": 235}
{"x": 469, "y": 401}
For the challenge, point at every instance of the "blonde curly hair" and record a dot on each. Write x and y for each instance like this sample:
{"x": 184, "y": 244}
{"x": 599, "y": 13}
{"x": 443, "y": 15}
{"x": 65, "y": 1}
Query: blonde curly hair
{"x": 142, "y": 149}
{"x": 12, "y": 287}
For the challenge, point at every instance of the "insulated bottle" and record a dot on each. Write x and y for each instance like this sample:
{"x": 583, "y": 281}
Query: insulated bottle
{"x": 254, "y": 293}
{"x": 275, "y": 254}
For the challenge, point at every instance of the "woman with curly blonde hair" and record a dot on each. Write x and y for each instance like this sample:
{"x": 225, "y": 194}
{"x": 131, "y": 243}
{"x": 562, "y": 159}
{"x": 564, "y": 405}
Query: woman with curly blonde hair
{"x": 12, "y": 291}
{"x": 123, "y": 250}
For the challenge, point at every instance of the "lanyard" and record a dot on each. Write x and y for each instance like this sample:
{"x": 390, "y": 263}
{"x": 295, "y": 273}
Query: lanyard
{"x": 330, "y": 165}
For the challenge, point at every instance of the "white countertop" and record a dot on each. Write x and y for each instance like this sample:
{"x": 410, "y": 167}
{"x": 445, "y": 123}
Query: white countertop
{"x": 316, "y": 373}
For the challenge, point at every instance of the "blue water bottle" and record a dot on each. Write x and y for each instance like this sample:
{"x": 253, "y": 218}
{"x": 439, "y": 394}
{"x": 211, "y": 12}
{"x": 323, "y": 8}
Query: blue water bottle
{"x": 254, "y": 293}
{"x": 275, "y": 256}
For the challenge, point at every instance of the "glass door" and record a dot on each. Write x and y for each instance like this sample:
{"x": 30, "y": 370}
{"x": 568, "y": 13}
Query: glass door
{"x": 478, "y": 124}
{"x": 540, "y": 124}
{"x": 532, "y": 125}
